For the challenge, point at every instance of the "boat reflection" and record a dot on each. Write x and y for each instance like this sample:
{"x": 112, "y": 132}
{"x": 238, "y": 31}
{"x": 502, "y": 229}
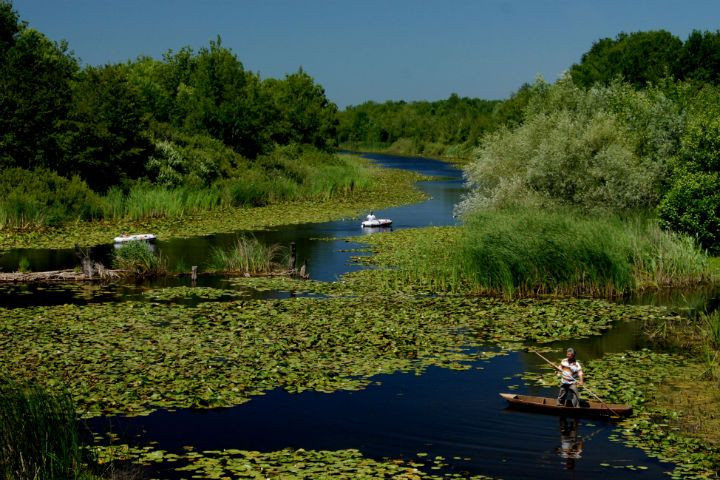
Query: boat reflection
{"x": 571, "y": 444}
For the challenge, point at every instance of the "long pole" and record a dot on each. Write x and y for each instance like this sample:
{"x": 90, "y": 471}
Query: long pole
{"x": 586, "y": 388}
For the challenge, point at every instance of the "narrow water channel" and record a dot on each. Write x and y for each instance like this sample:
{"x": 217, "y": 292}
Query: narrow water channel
{"x": 454, "y": 414}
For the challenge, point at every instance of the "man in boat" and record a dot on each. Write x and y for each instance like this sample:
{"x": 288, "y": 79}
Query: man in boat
{"x": 370, "y": 217}
{"x": 572, "y": 376}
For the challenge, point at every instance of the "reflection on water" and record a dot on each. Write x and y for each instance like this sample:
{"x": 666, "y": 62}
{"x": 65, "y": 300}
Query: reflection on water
{"x": 571, "y": 444}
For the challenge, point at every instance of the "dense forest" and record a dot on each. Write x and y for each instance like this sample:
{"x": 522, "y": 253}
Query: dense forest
{"x": 448, "y": 128}
{"x": 194, "y": 129}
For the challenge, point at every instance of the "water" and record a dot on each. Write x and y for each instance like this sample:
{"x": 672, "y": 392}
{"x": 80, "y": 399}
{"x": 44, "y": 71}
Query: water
{"x": 325, "y": 258}
{"x": 441, "y": 412}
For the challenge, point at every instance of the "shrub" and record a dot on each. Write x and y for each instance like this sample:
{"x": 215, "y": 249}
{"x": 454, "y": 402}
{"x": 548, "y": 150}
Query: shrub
{"x": 44, "y": 198}
{"x": 138, "y": 259}
{"x": 692, "y": 206}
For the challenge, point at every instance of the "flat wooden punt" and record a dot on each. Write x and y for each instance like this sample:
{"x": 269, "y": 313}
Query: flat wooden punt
{"x": 549, "y": 405}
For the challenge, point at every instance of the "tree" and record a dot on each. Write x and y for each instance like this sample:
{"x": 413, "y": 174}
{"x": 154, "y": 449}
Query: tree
{"x": 35, "y": 94}
{"x": 306, "y": 116}
{"x": 105, "y": 141}
{"x": 638, "y": 58}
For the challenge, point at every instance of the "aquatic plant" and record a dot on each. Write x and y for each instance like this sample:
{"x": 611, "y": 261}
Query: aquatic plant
{"x": 527, "y": 252}
{"x": 673, "y": 419}
{"x": 136, "y": 356}
{"x": 248, "y": 255}
{"x": 346, "y": 464}
{"x": 138, "y": 259}
{"x": 38, "y": 435}
{"x": 23, "y": 265}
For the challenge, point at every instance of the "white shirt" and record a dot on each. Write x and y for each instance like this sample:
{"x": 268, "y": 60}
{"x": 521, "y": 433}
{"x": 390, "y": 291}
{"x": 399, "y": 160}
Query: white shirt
{"x": 570, "y": 371}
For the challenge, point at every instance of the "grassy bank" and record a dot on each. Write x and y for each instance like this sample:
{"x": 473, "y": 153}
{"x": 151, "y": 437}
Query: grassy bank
{"x": 457, "y": 154}
{"x": 39, "y": 435}
{"x": 387, "y": 187}
{"x": 527, "y": 252}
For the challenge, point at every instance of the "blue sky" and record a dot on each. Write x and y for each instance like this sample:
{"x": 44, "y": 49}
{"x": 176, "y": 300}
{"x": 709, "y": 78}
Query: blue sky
{"x": 370, "y": 49}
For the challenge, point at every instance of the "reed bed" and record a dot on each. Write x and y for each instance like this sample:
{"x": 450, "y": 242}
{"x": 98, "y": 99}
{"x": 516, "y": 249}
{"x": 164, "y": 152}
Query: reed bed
{"x": 39, "y": 435}
{"x": 138, "y": 259}
{"x": 529, "y": 252}
{"x": 248, "y": 256}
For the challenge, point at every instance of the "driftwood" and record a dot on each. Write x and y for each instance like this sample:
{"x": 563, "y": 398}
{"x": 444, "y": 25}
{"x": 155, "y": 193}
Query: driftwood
{"x": 61, "y": 276}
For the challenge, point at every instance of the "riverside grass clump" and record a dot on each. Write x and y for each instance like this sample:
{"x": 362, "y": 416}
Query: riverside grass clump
{"x": 530, "y": 252}
{"x": 39, "y": 436}
{"x": 138, "y": 259}
{"x": 248, "y": 255}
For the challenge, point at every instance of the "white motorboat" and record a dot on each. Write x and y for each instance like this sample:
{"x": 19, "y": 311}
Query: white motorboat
{"x": 373, "y": 222}
{"x": 145, "y": 237}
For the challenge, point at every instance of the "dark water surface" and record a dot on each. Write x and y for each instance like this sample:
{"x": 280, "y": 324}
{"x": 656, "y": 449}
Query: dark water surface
{"x": 441, "y": 412}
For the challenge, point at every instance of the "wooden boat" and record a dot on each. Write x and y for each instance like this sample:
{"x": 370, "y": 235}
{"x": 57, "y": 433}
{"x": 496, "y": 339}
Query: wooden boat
{"x": 549, "y": 405}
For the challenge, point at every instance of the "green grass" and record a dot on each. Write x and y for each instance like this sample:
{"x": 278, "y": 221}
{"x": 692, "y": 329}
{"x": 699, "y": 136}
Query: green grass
{"x": 531, "y": 252}
{"x": 139, "y": 260}
{"x": 39, "y": 435}
{"x": 248, "y": 255}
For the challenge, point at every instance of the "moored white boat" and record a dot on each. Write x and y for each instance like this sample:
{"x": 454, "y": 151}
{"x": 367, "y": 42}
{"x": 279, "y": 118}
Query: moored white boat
{"x": 147, "y": 237}
{"x": 373, "y": 222}
{"x": 378, "y": 222}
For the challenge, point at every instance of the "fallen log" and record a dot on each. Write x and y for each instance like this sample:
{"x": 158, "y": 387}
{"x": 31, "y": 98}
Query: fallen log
{"x": 59, "y": 276}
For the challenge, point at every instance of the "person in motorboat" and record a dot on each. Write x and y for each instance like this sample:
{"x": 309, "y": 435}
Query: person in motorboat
{"x": 571, "y": 377}
{"x": 371, "y": 217}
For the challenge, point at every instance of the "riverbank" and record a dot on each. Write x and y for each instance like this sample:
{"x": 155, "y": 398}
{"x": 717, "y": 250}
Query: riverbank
{"x": 459, "y": 159}
{"x": 389, "y": 188}
{"x": 514, "y": 259}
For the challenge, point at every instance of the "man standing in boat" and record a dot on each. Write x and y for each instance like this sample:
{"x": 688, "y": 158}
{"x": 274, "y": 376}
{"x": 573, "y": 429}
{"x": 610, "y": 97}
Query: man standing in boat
{"x": 572, "y": 376}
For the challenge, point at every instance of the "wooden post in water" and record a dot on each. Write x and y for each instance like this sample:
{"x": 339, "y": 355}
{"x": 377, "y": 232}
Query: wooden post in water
{"x": 293, "y": 258}
{"x": 304, "y": 270}
{"x": 193, "y": 274}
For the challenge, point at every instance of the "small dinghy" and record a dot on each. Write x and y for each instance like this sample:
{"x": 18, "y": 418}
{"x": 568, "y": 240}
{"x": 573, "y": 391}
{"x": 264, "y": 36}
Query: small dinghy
{"x": 146, "y": 237}
{"x": 373, "y": 222}
{"x": 549, "y": 405}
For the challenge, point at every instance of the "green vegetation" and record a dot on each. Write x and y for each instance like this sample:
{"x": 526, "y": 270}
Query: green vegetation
{"x": 250, "y": 256}
{"x": 519, "y": 252}
{"x": 650, "y": 57}
{"x": 675, "y": 417}
{"x": 342, "y": 464}
{"x": 448, "y": 128}
{"x": 138, "y": 259}
{"x": 133, "y": 357}
{"x": 388, "y": 188}
{"x": 39, "y": 435}
{"x": 155, "y": 138}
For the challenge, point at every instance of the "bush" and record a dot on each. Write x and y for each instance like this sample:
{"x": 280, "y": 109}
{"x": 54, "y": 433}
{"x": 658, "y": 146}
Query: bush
{"x": 604, "y": 148}
{"x": 692, "y": 206}
{"x": 44, "y": 198}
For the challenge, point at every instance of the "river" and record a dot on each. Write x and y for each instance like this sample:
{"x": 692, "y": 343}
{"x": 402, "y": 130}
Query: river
{"x": 454, "y": 414}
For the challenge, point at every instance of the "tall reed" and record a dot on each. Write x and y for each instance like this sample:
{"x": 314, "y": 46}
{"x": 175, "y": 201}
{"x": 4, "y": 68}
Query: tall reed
{"x": 138, "y": 258}
{"x": 248, "y": 255}
{"x": 529, "y": 252}
{"x": 39, "y": 435}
